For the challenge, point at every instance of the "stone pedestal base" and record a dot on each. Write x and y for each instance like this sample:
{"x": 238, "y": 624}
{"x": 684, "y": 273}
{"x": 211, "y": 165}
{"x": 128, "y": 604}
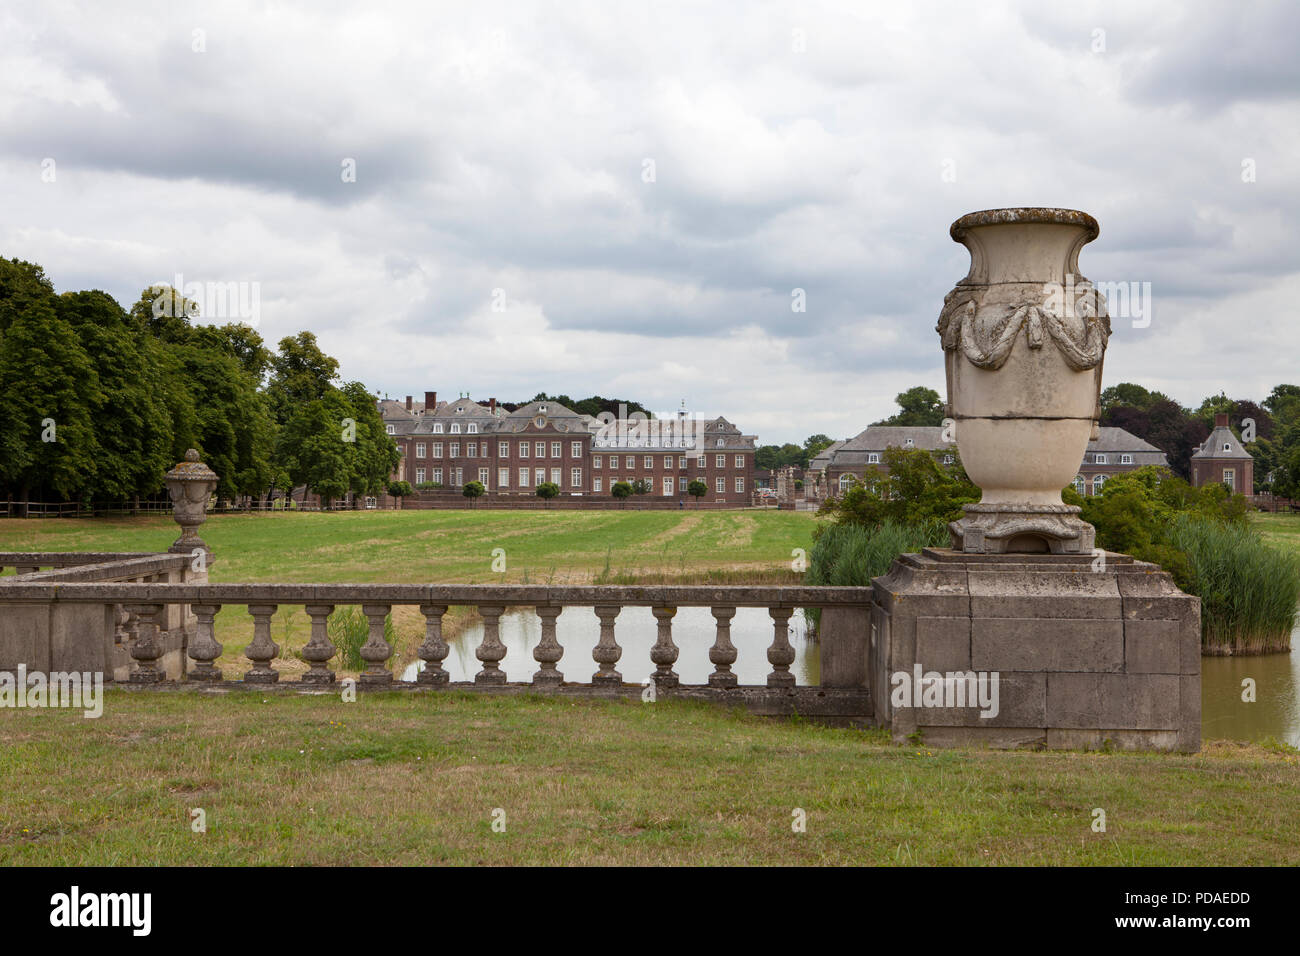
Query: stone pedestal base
{"x": 1022, "y": 529}
{"x": 1025, "y": 650}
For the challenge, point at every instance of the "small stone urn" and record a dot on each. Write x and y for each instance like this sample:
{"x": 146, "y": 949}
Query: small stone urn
{"x": 1023, "y": 337}
{"x": 190, "y": 484}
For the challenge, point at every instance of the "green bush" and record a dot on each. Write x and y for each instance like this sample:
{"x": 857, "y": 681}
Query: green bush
{"x": 1248, "y": 590}
{"x": 913, "y": 487}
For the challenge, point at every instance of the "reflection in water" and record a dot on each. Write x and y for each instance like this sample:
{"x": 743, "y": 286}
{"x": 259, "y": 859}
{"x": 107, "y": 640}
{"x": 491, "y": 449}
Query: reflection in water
{"x": 1276, "y": 710}
{"x": 578, "y": 630}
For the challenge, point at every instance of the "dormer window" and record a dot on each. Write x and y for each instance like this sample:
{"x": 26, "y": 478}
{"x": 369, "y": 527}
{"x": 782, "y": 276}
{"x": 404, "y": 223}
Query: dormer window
{"x": 1126, "y": 459}
{"x": 1099, "y": 459}
{"x": 908, "y": 442}
{"x": 721, "y": 442}
{"x": 472, "y": 429}
{"x": 1227, "y": 446}
{"x": 437, "y": 428}
{"x": 391, "y": 430}
{"x": 459, "y": 409}
{"x": 455, "y": 428}
{"x": 541, "y": 408}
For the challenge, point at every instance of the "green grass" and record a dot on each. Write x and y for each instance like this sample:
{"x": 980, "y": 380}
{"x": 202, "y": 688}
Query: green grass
{"x": 455, "y": 546}
{"x": 414, "y": 779}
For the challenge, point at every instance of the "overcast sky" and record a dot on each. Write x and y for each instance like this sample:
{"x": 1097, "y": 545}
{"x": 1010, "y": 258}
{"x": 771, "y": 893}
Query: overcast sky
{"x": 815, "y": 146}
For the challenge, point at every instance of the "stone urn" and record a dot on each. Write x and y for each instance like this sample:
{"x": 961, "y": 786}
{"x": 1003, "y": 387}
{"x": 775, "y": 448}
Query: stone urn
{"x": 190, "y": 484}
{"x": 1023, "y": 338}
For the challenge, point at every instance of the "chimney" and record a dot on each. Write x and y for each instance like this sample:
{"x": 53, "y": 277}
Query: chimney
{"x": 430, "y": 402}
{"x": 492, "y": 405}
{"x": 408, "y": 403}
{"x": 1221, "y": 420}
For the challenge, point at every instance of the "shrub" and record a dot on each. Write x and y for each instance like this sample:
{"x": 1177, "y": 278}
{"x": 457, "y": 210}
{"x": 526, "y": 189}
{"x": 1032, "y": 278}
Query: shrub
{"x": 620, "y": 489}
{"x": 399, "y": 489}
{"x": 473, "y": 489}
{"x": 547, "y": 490}
{"x": 917, "y": 489}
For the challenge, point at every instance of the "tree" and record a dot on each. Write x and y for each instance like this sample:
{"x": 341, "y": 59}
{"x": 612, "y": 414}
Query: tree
{"x": 400, "y": 490}
{"x": 641, "y": 486}
{"x": 912, "y": 488}
{"x": 917, "y": 406}
{"x": 547, "y": 490}
{"x": 621, "y": 490}
{"x": 300, "y": 373}
{"x": 313, "y": 448}
{"x": 48, "y": 388}
{"x": 697, "y": 490}
{"x": 814, "y": 445}
{"x": 377, "y": 454}
{"x": 474, "y": 489}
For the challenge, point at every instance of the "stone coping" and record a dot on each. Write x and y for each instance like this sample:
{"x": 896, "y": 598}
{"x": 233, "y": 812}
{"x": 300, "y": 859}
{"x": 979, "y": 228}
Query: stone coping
{"x": 105, "y": 571}
{"x": 68, "y": 559}
{"x": 19, "y": 590}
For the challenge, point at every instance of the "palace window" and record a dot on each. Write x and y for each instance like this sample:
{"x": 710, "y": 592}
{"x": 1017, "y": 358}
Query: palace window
{"x": 720, "y": 485}
{"x": 437, "y": 428}
{"x": 873, "y": 458}
{"x": 1230, "y": 478}
{"x": 472, "y": 428}
{"x": 419, "y": 476}
{"x": 555, "y": 476}
{"x": 523, "y": 477}
{"x": 524, "y": 449}
{"x": 740, "y": 484}
{"x": 455, "y": 427}
{"x": 668, "y": 485}
{"x": 575, "y": 478}
{"x": 1099, "y": 459}
{"x": 908, "y": 442}
{"x": 649, "y": 462}
{"x": 596, "y": 484}
{"x": 471, "y": 449}
{"x": 668, "y": 461}
{"x": 948, "y": 459}
{"x": 722, "y": 443}
{"x": 595, "y": 461}
{"x": 629, "y": 461}
{"x": 1097, "y": 482}
{"x": 460, "y": 477}
{"x": 503, "y": 449}
{"x": 420, "y": 449}
{"x": 556, "y": 447}
{"x": 437, "y": 449}
{"x": 437, "y": 476}
{"x": 1227, "y": 446}
{"x": 740, "y": 461}
{"x": 455, "y": 449}
{"x": 681, "y": 483}
{"x": 575, "y": 449}
{"x": 539, "y": 474}
{"x": 720, "y": 461}
{"x": 483, "y": 477}
{"x": 845, "y": 481}
{"x": 681, "y": 461}
{"x": 390, "y": 429}
{"x": 702, "y": 460}
{"x": 1079, "y": 484}
{"x": 1126, "y": 459}
{"x": 503, "y": 477}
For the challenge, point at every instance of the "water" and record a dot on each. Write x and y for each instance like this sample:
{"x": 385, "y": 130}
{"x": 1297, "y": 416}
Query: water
{"x": 578, "y": 630}
{"x": 1224, "y": 715}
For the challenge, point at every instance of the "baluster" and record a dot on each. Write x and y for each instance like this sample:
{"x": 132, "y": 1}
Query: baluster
{"x": 491, "y": 651}
{"x": 261, "y": 650}
{"x": 375, "y": 651}
{"x": 549, "y": 651}
{"x": 146, "y": 650}
{"x": 205, "y": 649}
{"x": 121, "y": 620}
{"x": 434, "y": 650}
{"x": 664, "y": 653}
{"x": 723, "y": 652}
{"x": 780, "y": 655}
{"x": 607, "y": 652}
{"x": 320, "y": 649}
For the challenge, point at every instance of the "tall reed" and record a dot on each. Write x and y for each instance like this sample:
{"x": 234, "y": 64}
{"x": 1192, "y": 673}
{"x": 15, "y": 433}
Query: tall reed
{"x": 1249, "y": 590}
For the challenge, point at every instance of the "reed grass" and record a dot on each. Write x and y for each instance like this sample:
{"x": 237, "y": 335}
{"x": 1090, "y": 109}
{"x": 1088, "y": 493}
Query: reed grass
{"x": 1249, "y": 590}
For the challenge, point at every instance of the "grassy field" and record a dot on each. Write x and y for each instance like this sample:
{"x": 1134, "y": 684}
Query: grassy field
{"x": 1282, "y": 530}
{"x": 415, "y": 779}
{"x": 560, "y": 547}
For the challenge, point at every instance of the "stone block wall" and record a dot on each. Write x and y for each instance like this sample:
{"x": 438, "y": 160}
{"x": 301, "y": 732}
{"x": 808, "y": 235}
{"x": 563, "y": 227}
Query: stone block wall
{"x": 1085, "y": 653}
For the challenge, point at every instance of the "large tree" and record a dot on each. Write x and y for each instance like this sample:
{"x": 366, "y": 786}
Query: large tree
{"x": 917, "y": 406}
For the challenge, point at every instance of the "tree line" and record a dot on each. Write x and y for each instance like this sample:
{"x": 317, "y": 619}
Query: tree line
{"x": 98, "y": 401}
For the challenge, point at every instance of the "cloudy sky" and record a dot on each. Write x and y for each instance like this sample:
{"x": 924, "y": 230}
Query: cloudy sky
{"x": 620, "y": 197}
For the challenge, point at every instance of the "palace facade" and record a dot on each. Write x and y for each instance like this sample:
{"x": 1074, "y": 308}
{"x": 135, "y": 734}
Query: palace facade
{"x": 451, "y": 443}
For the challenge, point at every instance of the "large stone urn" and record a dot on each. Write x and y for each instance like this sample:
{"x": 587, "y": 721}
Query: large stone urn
{"x": 190, "y": 484}
{"x": 1023, "y": 337}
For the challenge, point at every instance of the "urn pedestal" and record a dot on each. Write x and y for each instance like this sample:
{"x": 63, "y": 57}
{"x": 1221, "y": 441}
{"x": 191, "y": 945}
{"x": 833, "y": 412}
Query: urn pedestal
{"x": 1023, "y": 337}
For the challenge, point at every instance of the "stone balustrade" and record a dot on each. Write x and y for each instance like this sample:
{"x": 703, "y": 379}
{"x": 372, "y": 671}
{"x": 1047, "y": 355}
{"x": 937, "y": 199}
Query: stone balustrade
{"x": 144, "y": 604}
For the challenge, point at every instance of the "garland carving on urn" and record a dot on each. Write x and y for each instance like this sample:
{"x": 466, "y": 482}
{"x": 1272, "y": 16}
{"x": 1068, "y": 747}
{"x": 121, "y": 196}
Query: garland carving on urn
{"x": 1024, "y": 411}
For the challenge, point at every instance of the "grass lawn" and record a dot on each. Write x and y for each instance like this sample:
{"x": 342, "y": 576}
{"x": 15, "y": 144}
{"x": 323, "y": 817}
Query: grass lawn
{"x": 399, "y": 778}
{"x": 1282, "y": 530}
